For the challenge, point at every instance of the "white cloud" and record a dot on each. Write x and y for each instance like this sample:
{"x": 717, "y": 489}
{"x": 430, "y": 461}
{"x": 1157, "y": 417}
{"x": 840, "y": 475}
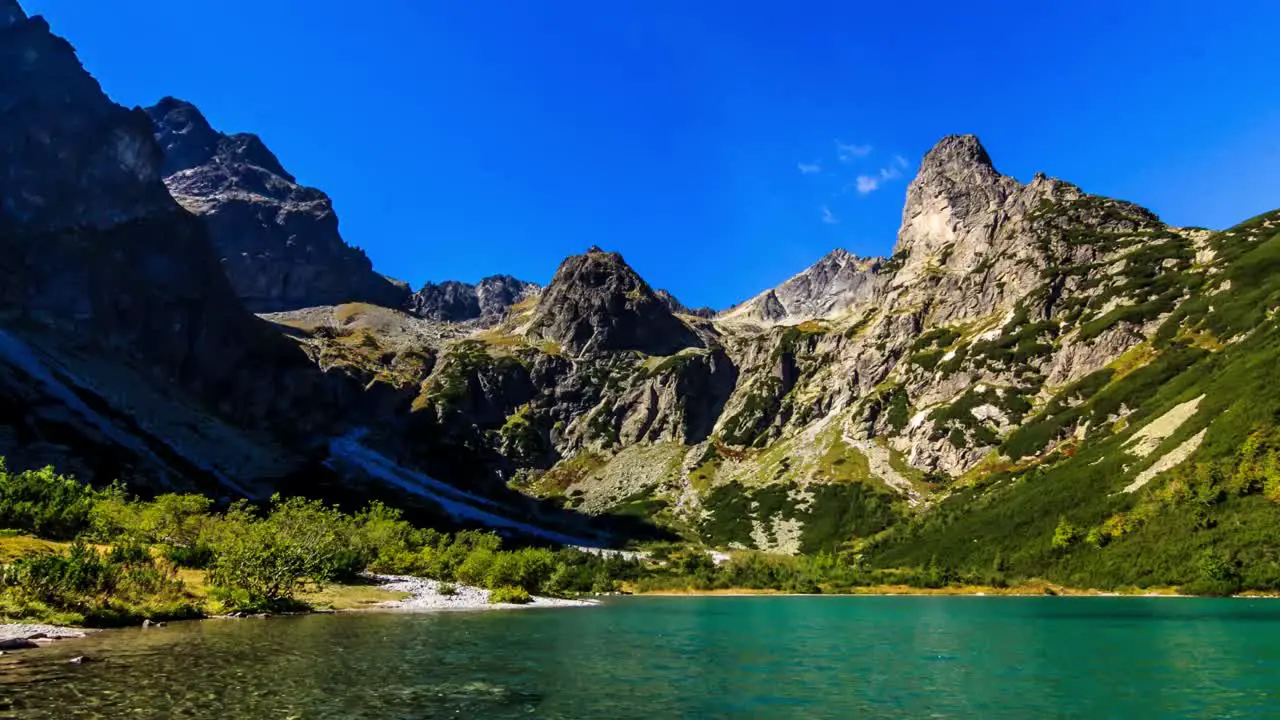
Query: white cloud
{"x": 828, "y": 217}
{"x": 809, "y": 168}
{"x": 849, "y": 152}
{"x": 871, "y": 183}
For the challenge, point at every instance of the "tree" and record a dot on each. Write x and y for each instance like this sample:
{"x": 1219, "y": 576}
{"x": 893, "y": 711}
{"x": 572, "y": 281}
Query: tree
{"x": 1065, "y": 535}
{"x": 268, "y": 559}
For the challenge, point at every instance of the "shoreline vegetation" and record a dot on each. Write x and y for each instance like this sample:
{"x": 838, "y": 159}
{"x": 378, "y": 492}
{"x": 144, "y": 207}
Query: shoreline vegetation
{"x": 73, "y": 555}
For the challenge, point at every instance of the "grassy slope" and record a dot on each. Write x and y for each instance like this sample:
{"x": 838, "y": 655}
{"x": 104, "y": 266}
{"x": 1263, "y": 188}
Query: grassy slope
{"x": 1012, "y": 515}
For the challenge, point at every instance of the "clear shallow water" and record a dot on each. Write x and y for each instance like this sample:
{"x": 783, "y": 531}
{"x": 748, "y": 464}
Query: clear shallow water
{"x": 802, "y": 657}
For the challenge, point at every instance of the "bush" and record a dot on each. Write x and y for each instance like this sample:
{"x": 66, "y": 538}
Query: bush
{"x": 447, "y": 589}
{"x": 122, "y": 587}
{"x": 385, "y": 542}
{"x": 511, "y": 595}
{"x": 44, "y": 503}
{"x": 270, "y": 558}
{"x": 1064, "y": 535}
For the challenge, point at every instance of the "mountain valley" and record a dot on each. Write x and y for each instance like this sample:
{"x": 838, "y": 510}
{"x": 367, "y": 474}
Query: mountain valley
{"x": 1037, "y": 379}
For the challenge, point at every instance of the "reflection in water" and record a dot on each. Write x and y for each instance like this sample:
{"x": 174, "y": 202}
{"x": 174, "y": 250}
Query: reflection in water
{"x": 682, "y": 657}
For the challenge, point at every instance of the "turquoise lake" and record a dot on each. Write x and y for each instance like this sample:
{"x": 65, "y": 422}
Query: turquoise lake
{"x": 751, "y": 657}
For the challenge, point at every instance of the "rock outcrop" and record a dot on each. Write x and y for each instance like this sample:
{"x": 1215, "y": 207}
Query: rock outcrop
{"x": 675, "y": 306}
{"x": 833, "y": 285}
{"x": 277, "y": 241}
{"x": 597, "y": 303}
{"x": 486, "y": 301}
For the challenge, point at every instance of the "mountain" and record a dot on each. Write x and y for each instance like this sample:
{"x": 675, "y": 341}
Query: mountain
{"x": 1014, "y": 324}
{"x": 679, "y": 308}
{"x": 597, "y": 303}
{"x": 278, "y": 241}
{"x": 486, "y": 301}
{"x": 123, "y": 351}
{"x": 1037, "y": 379}
{"x": 832, "y": 285}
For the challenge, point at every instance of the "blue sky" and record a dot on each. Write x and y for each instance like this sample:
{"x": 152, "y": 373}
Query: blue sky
{"x": 717, "y": 145}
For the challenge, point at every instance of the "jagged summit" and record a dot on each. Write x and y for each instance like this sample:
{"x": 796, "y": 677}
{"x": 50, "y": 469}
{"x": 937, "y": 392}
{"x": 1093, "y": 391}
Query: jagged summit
{"x": 955, "y": 151}
{"x": 596, "y": 302}
{"x": 487, "y": 300}
{"x": 51, "y": 103}
{"x": 838, "y": 281}
{"x": 278, "y": 240}
{"x": 188, "y": 141}
{"x": 674, "y": 305}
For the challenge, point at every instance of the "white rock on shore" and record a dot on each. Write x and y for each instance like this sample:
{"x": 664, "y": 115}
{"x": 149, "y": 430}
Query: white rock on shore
{"x": 17, "y": 636}
{"x": 425, "y": 596}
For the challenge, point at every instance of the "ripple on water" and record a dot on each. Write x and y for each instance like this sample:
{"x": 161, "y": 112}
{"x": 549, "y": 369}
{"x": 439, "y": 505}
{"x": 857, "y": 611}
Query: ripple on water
{"x": 679, "y": 657}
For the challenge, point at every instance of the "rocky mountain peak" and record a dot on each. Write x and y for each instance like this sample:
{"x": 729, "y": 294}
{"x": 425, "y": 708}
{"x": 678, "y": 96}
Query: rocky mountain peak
{"x": 184, "y": 134}
{"x": 596, "y": 302}
{"x": 674, "y": 305}
{"x": 954, "y": 208}
{"x": 51, "y": 104}
{"x": 278, "y": 241}
{"x": 455, "y": 301}
{"x": 189, "y": 141}
{"x": 835, "y": 283}
{"x": 956, "y": 152}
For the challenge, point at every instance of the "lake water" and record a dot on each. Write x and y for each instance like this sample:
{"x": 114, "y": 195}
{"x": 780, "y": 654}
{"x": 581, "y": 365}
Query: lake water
{"x": 794, "y": 657}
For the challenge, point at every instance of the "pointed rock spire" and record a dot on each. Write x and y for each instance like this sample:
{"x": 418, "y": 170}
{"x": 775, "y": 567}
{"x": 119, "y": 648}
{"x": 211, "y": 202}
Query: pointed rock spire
{"x": 956, "y": 152}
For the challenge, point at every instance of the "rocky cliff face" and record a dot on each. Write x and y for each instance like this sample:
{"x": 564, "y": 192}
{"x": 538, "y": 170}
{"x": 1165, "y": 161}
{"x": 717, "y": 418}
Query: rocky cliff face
{"x": 277, "y": 241}
{"x": 486, "y": 301}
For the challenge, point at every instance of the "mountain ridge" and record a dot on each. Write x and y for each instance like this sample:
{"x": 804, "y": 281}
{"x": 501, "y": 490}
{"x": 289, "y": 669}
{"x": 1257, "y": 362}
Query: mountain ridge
{"x": 1033, "y": 366}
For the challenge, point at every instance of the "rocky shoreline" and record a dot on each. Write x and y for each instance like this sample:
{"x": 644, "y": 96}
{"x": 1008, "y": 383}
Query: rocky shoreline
{"x": 22, "y": 636}
{"x": 426, "y": 596}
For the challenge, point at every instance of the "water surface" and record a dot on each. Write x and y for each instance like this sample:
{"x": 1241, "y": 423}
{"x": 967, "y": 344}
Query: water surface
{"x": 794, "y": 657}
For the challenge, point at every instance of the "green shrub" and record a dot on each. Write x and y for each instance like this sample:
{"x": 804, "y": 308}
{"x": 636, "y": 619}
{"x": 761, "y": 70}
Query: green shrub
{"x": 121, "y": 587}
{"x": 44, "y": 503}
{"x": 510, "y": 595}
{"x": 1065, "y": 535}
{"x": 270, "y": 558}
